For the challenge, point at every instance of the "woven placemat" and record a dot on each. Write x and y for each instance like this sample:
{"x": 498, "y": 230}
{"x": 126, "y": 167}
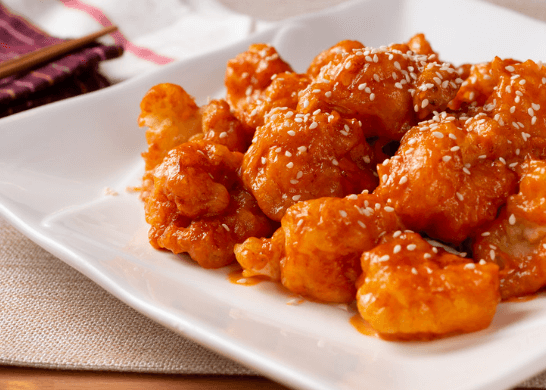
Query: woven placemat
{"x": 52, "y": 316}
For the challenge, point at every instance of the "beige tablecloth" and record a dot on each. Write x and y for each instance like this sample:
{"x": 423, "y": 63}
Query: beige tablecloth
{"x": 52, "y": 316}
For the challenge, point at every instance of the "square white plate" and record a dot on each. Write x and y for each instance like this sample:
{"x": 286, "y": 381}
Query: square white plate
{"x": 56, "y": 161}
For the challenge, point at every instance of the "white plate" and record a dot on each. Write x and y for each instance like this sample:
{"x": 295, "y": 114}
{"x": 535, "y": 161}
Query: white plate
{"x": 56, "y": 161}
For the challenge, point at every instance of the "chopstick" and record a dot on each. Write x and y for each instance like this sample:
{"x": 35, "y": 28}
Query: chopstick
{"x": 47, "y": 53}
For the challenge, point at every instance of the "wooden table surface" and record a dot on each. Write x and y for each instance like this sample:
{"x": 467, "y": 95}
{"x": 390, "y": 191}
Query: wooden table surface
{"x": 22, "y": 378}
{"x": 17, "y": 378}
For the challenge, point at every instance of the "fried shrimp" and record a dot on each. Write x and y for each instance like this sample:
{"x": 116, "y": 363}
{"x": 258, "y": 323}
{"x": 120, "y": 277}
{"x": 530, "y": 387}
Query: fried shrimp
{"x": 411, "y": 290}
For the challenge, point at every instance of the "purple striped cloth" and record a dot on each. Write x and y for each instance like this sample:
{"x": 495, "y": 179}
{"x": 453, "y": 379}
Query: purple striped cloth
{"x": 70, "y": 75}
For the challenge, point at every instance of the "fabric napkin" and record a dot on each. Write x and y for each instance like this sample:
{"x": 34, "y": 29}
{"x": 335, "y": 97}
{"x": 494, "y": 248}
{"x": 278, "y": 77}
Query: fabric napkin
{"x": 67, "y": 76}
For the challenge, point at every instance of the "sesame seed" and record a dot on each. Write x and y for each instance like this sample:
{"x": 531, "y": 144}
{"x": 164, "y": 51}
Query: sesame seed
{"x": 375, "y": 58}
{"x": 306, "y": 103}
{"x": 294, "y": 181}
{"x": 299, "y": 175}
{"x": 455, "y": 148}
{"x": 470, "y": 266}
{"x": 388, "y": 209}
{"x": 502, "y": 160}
{"x": 290, "y": 165}
{"x": 289, "y": 114}
{"x": 328, "y": 94}
{"x": 223, "y": 134}
{"x": 482, "y": 156}
{"x": 302, "y": 149}
{"x": 459, "y": 196}
{"x": 352, "y": 197}
{"x": 362, "y": 86}
{"x": 288, "y": 154}
{"x": 296, "y": 197}
{"x": 291, "y": 133}
{"x": 366, "y": 159}
{"x": 343, "y": 213}
{"x": 465, "y": 170}
{"x": 372, "y": 96}
{"x": 414, "y": 271}
{"x": 437, "y": 134}
{"x": 398, "y": 85}
{"x": 362, "y": 225}
{"x": 510, "y": 68}
{"x": 512, "y": 219}
{"x": 316, "y": 112}
{"x": 313, "y": 125}
{"x": 492, "y": 254}
{"x": 384, "y": 258}
{"x": 396, "y": 249}
{"x": 424, "y": 103}
{"x": 427, "y": 256}
{"x": 225, "y": 227}
{"x": 446, "y": 158}
{"x": 536, "y": 107}
{"x": 403, "y": 180}
{"x": 452, "y": 136}
{"x": 411, "y": 247}
{"x": 316, "y": 90}
{"x": 397, "y": 65}
{"x": 299, "y": 120}
{"x": 522, "y": 81}
{"x": 533, "y": 120}
{"x": 485, "y": 234}
{"x": 264, "y": 160}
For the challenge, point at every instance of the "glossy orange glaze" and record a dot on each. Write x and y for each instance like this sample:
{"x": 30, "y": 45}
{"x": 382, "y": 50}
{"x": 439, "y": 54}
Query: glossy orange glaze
{"x": 236, "y": 277}
{"x": 363, "y": 326}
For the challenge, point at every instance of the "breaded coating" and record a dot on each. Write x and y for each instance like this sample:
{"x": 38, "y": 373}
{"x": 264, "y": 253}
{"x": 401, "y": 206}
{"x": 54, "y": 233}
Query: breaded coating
{"x": 262, "y": 256}
{"x": 318, "y": 246}
{"x": 297, "y": 157}
{"x": 388, "y": 89}
{"x": 507, "y": 106}
{"x": 411, "y": 290}
{"x": 220, "y": 126}
{"x": 198, "y": 204}
{"x": 516, "y": 240}
{"x": 248, "y": 75}
{"x": 438, "y": 188}
{"x": 282, "y": 92}
{"x": 172, "y": 117}
{"x": 333, "y": 54}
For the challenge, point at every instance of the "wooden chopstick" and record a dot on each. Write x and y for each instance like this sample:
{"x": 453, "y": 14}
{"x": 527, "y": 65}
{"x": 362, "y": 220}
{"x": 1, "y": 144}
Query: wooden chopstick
{"x": 47, "y": 53}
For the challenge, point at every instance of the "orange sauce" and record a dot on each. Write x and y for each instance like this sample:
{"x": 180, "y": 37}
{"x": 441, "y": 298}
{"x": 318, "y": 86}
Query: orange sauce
{"x": 236, "y": 277}
{"x": 362, "y": 326}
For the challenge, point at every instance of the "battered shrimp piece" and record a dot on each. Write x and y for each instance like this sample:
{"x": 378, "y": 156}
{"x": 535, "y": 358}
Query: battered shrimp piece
{"x": 333, "y": 54}
{"x": 198, "y": 204}
{"x": 220, "y": 126}
{"x": 262, "y": 256}
{"x": 419, "y": 45}
{"x": 516, "y": 240}
{"x": 507, "y": 103}
{"x": 410, "y": 290}
{"x": 319, "y": 245}
{"x": 388, "y": 89}
{"x": 282, "y": 92}
{"x": 298, "y": 157}
{"x": 248, "y": 74}
{"x": 172, "y": 117}
{"x": 439, "y": 188}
